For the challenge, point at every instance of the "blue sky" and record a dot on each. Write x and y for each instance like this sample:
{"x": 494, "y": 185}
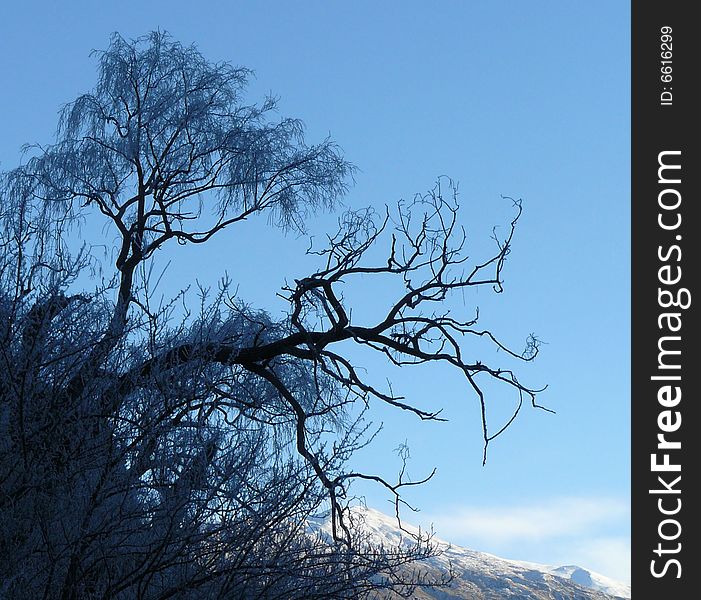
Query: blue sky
{"x": 529, "y": 100}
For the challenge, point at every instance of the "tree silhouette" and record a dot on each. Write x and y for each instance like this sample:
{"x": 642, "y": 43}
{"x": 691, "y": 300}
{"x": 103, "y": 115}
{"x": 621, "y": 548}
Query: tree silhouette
{"x": 149, "y": 456}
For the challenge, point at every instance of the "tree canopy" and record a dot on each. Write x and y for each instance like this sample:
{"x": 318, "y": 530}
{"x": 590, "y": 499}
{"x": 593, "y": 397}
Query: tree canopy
{"x": 146, "y": 455}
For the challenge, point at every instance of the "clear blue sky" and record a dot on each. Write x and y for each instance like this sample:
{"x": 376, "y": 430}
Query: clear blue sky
{"x": 527, "y": 99}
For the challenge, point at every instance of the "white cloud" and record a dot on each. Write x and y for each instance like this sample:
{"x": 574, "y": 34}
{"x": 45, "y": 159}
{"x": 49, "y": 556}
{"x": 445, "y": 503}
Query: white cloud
{"x": 535, "y": 522}
{"x": 588, "y": 531}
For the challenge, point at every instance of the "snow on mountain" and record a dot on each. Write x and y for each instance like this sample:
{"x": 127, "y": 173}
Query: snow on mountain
{"x": 483, "y": 576}
{"x": 583, "y": 577}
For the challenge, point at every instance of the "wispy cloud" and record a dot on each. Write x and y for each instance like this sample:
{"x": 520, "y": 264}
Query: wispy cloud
{"x": 589, "y": 531}
{"x": 534, "y": 522}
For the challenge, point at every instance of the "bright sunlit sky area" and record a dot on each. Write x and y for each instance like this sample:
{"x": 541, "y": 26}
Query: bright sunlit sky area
{"x": 521, "y": 99}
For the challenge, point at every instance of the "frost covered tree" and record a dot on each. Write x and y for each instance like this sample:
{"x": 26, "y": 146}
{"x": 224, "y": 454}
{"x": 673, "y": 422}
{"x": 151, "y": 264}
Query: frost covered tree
{"x": 149, "y": 455}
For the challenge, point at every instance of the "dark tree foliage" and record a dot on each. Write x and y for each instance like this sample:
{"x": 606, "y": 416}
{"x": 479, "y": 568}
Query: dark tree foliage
{"x": 148, "y": 456}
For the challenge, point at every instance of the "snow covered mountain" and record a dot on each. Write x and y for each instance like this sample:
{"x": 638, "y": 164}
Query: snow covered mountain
{"x": 482, "y": 576}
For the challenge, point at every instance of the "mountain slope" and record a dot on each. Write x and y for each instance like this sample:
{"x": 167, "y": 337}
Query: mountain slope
{"x": 482, "y": 576}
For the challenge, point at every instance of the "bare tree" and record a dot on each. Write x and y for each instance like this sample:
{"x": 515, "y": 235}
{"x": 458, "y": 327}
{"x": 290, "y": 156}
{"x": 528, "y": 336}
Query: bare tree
{"x": 145, "y": 456}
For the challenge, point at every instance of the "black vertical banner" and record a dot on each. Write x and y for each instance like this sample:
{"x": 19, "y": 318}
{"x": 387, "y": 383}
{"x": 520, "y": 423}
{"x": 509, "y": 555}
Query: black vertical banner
{"x": 666, "y": 103}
